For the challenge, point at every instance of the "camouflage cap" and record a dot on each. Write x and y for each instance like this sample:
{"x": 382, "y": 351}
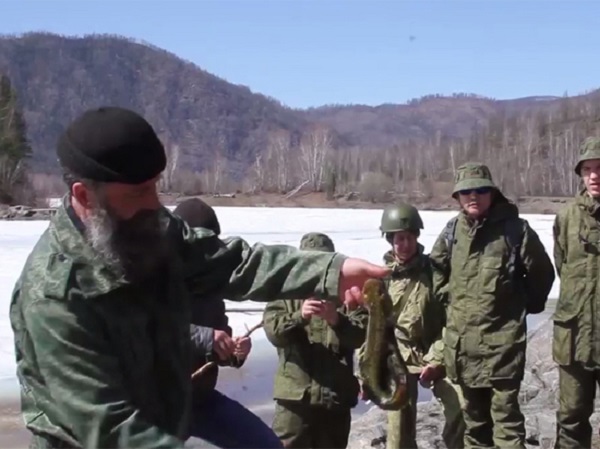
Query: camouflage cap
{"x": 472, "y": 175}
{"x": 589, "y": 149}
{"x": 316, "y": 241}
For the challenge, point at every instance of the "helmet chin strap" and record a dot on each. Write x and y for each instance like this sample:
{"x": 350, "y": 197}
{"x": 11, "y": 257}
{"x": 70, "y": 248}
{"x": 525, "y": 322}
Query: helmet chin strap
{"x": 408, "y": 259}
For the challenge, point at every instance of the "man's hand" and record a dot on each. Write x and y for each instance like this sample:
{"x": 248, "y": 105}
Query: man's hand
{"x": 223, "y": 344}
{"x": 431, "y": 373}
{"x": 329, "y": 313}
{"x": 243, "y": 345}
{"x": 311, "y": 307}
{"x": 353, "y": 275}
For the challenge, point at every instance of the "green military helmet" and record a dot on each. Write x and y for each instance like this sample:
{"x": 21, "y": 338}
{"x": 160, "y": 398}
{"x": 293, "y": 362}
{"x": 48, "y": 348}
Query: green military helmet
{"x": 589, "y": 149}
{"x": 400, "y": 217}
{"x": 472, "y": 175}
{"x": 317, "y": 241}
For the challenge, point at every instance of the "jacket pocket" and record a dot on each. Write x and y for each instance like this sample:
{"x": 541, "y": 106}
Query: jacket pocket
{"x": 505, "y": 358}
{"x": 292, "y": 380}
{"x": 451, "y": 344}
{"x": 562, "y": 342}
{"x": 491, "y": 273}
{"x": 574, "y": 289}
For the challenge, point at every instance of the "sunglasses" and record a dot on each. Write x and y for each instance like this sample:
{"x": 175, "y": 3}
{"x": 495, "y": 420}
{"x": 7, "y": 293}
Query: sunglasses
{"x": 479, "y": 191}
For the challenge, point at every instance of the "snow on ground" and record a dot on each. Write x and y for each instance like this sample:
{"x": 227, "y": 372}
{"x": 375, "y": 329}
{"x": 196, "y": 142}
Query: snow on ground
{"x": 354, "y": 231}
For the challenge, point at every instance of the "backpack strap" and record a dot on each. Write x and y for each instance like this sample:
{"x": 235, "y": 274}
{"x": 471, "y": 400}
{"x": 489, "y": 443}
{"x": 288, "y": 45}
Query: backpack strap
{"x": 427, "y": 267}
{"x": 514, "y": 239}
{"x": 514, "y": 234}
{"x": 449, "y": 234}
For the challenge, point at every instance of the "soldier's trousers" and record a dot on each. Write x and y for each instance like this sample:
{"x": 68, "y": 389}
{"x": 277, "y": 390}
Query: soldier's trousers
{"x": 301, "y": 426}
{"x": 493, "y": 416}
{"x": 577, "y": 391}
{"x": 402, "y": 424}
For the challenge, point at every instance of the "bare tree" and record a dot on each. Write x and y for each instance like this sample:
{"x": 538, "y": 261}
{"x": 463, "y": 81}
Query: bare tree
{"x": 315, "y": 147}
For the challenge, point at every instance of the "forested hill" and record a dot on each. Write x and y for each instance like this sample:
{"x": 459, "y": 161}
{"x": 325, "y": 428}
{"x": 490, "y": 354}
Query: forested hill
{"x": 59, "y": 77}
{"x": 211, "y": 125}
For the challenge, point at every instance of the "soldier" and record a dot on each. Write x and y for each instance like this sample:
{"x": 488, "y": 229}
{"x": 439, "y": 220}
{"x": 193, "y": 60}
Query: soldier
{"x": 101, "y": 310}
{"x": 419, "y": 323}
{"x": 491, "y": 269}
{"x": 212, "y": 342}
{"x": 315, "y": 388}
{"x": 576, "y": 343}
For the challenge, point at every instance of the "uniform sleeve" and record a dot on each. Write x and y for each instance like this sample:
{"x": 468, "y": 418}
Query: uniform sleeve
{"x": 223, "y": 323}
{"x": 435, "y": 355}
{"x": 351, "y": 327}
{"x": 85, "y": 389}
{"x": 539, "y": 271}
{"x": 202, "y": 340}
{"x": 233, "y": 269}
{"x": 559, "y": 243}
{"x": 434, "y": 320}
{"x": 283, "y": 326}
{"x": 440, "y": 266}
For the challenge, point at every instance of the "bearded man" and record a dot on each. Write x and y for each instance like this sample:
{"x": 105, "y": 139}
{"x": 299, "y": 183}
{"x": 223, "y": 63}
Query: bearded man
{"x": 101, "y": 311}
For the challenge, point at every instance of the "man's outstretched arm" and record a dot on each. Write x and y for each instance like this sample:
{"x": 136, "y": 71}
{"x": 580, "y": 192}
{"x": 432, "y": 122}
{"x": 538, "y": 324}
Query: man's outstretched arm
{"x": 233, "y": 269}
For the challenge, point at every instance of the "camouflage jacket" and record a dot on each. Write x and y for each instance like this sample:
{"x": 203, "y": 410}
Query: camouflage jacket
{"x": 99, "y": 358}
{"x": 577, "y": 259}
{"x": 419, "y": 316}
{"x": 315, "y": 359}
{"x": 486, "y": 330}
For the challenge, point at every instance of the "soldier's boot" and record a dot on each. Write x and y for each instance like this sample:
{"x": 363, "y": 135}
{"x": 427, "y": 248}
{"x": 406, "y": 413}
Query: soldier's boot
{"x": 478, "y": 418}
{"x": 402, "y": 424}
{"x": 509, "y": 422}
{"x": 450, "y": 396}
{"x": 577, "y": 390}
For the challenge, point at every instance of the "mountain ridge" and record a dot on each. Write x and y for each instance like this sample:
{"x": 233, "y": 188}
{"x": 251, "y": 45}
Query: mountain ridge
{"x": 205, "y": 117}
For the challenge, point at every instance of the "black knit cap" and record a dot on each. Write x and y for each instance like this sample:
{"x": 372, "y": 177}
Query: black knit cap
{"x": 112, "y": 144}
{"x": 198, "y": 214}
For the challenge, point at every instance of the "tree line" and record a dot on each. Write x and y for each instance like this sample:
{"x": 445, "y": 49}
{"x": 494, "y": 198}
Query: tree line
{"x": 530, "y": 153}
{"x": 15, "y": 150}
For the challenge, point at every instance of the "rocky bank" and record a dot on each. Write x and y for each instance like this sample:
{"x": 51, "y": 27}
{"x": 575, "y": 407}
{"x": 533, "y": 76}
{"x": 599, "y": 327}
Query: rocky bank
{"x": 539, "y": 400}
{"x": 25, "y": 213}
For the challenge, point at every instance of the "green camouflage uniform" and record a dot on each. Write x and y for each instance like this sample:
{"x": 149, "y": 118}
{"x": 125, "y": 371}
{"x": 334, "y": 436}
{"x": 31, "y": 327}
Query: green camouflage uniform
{"x": 99, "y": 358}
{"x": 576, "y": 342}
{"x": 486, "y": 331}
{"x": 419, "y": 327}
{"x": 315, "y": 388}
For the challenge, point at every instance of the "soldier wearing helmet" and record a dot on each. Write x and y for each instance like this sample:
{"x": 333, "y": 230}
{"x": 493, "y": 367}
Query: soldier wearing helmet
{"x": 315, "y": 387}
{"x": 576, "y": 347}
{"x": 491, "y": 269}
{"x": 419, "y": 324}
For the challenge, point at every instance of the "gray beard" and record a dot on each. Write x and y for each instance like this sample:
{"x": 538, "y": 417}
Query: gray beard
{"x": 133, "y": 249}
